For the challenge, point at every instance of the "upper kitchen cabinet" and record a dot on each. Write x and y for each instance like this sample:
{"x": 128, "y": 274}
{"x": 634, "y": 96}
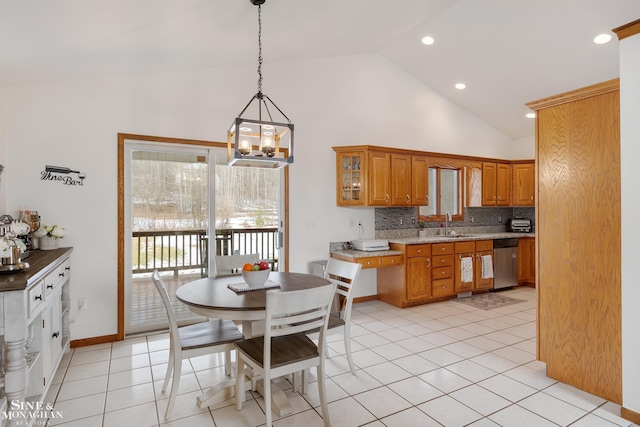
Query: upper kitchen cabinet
{"x": 496, "y": 184}
{"x": 523, "y": 184}
{"x": 350, "y": 184}
{"x": 376, "y": 176}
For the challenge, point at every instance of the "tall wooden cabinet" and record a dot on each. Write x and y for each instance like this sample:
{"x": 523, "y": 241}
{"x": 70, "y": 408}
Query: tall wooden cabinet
{"x": 579, "y": 238}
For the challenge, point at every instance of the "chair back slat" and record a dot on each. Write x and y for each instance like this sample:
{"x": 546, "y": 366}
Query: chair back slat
{"x": 345, "y": 275}
{"x": 285, "y": 309}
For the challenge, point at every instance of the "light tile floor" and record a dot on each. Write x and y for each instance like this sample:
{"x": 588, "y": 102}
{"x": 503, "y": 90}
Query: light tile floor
{"x": 443, "y": 364}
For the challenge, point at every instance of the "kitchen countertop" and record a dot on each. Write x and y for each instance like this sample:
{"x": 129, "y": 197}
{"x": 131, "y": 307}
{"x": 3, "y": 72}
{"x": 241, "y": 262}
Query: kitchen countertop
{"x": 352, "y": 253}
{"x": 460, "y": 237}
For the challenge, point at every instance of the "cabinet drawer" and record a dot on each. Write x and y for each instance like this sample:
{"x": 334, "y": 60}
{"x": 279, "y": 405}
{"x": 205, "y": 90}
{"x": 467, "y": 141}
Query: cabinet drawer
{"x": 390, "y": 261}
{"x": 442, "y": 248}
{"x": 418, "y": 250}
{"x": 35, "y": 298}
{"x": 442, "y": 272}
{"x": 465, "y": 247}
{"x": 484, "y": 245}
{"x": 52, "y": 280}
{"x": 442, "y": 260}
{"x": 369, "y": 262}
{"x": 441, "y": 287}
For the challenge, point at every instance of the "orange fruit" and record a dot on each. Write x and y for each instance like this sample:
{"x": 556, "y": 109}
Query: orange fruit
{"x": 247, "y": 267}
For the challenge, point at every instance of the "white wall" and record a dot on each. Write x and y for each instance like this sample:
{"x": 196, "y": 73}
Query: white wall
{"x": 3, "y": 155}
{"x": 523, "y": 148}
{"x": 337, "y": 101}
{"x": 630, "y": 153}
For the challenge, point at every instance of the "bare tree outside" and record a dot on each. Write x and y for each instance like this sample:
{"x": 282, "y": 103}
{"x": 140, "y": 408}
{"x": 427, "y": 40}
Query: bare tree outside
{"x": 172, "y": 195}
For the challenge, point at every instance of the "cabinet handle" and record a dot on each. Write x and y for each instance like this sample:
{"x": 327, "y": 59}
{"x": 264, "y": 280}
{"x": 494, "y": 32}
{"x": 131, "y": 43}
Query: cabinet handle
{"x": 61, "y": 274}
{"x": 444, "y": 287}
{"x": 428, "y": 262}
{"x": 442, "y": 249}
{"x": 67, "y": 268}
{"x": 494, "y": 198}
{"x": 368, "y": 262}
{"x": 56, "y": 334}
{"x": 408, "y": 199}
{"x": 49, "y": 286}
{"x": 532, "y": 198}
{"x": 426, "y": 198}
{"x": 38, "y": 297}
{"x": 443, "y": 273}
{"x": 443, "y": 261}
{"x": 499, "y": 198}
{"x": 419, "y": 251}
{"x": 386, "y": 198}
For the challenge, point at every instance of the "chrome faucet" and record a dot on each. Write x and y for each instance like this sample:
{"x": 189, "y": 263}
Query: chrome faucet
{"x": 447, "y": 218}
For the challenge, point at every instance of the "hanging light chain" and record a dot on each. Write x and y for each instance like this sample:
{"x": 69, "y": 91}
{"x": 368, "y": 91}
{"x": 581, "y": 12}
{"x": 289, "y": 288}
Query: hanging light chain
{"x": 259, "y": 50}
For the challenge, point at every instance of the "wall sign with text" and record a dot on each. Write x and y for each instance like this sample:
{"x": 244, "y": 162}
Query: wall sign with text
{"x": 63, "y": 175}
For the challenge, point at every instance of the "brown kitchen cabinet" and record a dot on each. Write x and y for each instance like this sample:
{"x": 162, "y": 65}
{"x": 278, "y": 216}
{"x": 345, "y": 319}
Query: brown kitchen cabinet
{"x": 523, "y": 184}
{"x": 442, "y": 280}
{"x": 418, "y": 277}
{"x": 375, "y": 176}
{"x": 496, "y": 184}
{"x": 351, "y": 170}
{"x": 419, "y": 181}
{"x": 483, "y": 248}
{"x": 473, "y": 250}
{"x": 464, "y": 251}
{"x": 527, "y": 261}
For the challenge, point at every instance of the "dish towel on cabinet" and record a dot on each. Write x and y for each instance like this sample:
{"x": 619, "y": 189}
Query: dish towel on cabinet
{"x": 487, "y": 267}
{"x": 466, "y": 266}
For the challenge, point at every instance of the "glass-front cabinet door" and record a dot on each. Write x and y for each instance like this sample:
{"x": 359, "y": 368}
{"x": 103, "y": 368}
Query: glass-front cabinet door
{"x": 350, "y": 174}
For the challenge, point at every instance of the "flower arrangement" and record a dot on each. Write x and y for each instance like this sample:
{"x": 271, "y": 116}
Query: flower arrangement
{"x": 54, "y": 231}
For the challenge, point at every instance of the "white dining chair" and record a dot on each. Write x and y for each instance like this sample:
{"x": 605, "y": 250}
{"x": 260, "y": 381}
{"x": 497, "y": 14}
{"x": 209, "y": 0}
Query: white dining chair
{"x": 214, "y": 336}
{"x": 285, "y": 348}
{"x": 345, "y": 275}
{"x": 227, "y": 265}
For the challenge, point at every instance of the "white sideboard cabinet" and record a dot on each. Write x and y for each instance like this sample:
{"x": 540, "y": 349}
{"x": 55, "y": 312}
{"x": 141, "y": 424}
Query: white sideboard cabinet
{"x": 34, "y": 325}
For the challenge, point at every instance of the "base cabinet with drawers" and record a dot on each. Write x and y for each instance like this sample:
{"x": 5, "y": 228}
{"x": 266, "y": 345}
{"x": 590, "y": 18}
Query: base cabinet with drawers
{"x": 34, "y": 325}
{"x": 433, "y": 271}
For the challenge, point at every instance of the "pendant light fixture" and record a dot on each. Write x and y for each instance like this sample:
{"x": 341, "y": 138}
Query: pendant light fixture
{"x": 260, "y": 142}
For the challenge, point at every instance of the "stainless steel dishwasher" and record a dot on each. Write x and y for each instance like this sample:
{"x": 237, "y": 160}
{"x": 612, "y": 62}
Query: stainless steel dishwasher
{"x": 505, "y": 263}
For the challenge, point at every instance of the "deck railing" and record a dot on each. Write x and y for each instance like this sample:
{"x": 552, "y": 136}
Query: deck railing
{"x": 188, "y": 249}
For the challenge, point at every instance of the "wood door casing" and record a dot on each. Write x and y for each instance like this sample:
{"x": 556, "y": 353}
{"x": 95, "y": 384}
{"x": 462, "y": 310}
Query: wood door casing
{"x": 578, "y": 235}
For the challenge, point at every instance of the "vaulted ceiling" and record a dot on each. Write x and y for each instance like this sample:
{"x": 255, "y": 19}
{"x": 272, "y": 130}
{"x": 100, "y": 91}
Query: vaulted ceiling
{"x": 507, "y": 52}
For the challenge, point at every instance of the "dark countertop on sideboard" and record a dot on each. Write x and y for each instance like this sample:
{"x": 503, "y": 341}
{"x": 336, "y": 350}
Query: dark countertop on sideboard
{"x": 39, "y": 261}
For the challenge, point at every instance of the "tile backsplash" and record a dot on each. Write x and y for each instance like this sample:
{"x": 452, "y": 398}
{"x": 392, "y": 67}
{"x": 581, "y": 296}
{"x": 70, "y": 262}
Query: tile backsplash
{"x": 403, "y": 222}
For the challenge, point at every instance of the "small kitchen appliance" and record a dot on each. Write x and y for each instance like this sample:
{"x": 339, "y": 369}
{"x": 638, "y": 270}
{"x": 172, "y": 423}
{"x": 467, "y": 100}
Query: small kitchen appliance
{"x": 370, "y": 245}
{"x": 519, "y": 225}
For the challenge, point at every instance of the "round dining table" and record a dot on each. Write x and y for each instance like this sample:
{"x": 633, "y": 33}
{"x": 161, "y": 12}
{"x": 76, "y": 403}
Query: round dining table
{"x": 211, "y": 297}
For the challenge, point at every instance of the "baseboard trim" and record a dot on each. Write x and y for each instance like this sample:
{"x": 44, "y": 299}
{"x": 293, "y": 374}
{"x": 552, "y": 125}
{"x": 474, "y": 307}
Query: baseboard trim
{"x": 93, "y": 341}
{"x": 630, "y": 415}
{"x": 365, "y": 299}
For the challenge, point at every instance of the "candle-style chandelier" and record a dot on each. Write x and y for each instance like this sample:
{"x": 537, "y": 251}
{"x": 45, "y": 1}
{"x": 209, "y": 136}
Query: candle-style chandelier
{"x": 260, "y": 142}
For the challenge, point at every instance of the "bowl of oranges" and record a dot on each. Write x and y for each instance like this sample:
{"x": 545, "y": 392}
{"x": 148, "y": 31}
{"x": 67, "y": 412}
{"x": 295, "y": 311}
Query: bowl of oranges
{"x": 256, "y": 274}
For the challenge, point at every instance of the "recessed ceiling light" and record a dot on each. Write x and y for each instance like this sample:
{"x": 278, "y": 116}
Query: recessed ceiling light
{"x": 602, "y": 38}
{"x": 428, "y": 40}
{"x": 531, "y": 115}
{"x": 460, "y": 86}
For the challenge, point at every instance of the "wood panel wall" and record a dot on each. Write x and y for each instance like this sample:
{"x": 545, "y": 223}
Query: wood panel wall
{"x": 578, "y": 238}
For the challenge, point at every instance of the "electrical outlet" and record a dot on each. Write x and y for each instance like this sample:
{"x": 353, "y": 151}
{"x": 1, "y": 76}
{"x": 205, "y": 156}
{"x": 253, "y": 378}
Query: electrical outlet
{"x": 473, "y": 219}
{"x": 401, "y": 221}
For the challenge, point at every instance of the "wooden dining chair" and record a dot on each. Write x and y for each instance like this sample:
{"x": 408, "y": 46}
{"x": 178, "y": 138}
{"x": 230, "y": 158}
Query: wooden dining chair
{"x": 344, "y": 274}
{"x": 227, "y": 265}
{"x": 285, "y": 348}
{"x": 214, "y": 336}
